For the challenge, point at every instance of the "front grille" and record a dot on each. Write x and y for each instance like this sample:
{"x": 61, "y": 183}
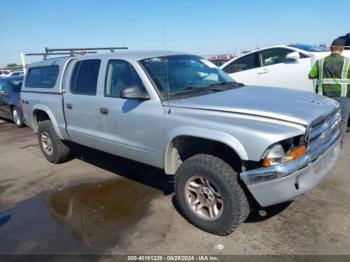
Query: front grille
{"x": 323, "y": 130}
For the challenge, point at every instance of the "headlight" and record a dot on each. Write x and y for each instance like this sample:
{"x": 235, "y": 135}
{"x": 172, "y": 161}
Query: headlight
{"x": 276, "y": 155}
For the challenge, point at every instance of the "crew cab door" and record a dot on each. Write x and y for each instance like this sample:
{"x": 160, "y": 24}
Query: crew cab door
{"x": 278, "y": 71}
{"x": 129, "y": 127}
{"x": 81, "y": 104}
{"x": 244, "y": 69}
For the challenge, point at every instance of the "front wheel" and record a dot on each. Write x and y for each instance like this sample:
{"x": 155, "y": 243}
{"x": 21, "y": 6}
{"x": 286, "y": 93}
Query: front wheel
{"x": 209, "y": 195}
{"x": 17, "y": 117}
{"x": 53, "y": 148}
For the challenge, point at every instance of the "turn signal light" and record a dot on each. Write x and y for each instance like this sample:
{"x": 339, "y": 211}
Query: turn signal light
{"x": 293, "y": 155}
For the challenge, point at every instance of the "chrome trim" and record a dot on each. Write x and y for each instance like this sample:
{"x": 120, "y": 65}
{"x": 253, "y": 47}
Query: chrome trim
{"x": 263, "y": 174}
{"x": 321, "y": 124}
{"x": 293, "y": 186}
{"x": 319, "y": 130}
{"x": 323, "y": 131}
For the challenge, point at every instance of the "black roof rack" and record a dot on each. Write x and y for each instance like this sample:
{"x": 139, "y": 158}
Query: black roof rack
{"x": 73, "y": 51}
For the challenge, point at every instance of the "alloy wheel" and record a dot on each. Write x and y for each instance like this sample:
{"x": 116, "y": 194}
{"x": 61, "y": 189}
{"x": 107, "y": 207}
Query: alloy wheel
{"x": 46, "y": 143}
{"x": 203, "y": 198}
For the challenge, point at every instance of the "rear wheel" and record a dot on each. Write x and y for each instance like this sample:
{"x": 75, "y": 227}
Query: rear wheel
{"x": 53, "y": 148}
{"x": 209, "y": 194}
{"x": 17, "y": 117}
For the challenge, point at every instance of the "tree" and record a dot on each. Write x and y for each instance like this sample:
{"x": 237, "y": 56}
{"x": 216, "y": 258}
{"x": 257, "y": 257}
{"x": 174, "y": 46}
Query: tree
{"x": 12, "y": 66}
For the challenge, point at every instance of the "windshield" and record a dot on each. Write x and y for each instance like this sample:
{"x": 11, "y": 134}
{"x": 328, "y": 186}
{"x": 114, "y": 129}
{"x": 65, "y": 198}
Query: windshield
{"x": 185, "y": 75}
{"x": 310, "y": 48}
{"x": 16, "y": 85}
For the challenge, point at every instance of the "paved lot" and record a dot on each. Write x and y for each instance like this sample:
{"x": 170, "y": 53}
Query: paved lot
{"x": 101, "y": 204}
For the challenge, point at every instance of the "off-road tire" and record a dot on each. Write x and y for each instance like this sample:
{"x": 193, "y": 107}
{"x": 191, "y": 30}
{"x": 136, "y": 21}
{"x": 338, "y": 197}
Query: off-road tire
{"x": 235, "y": 207}
{"x": 18, "y": 120}
{"x": 61, "y": 151}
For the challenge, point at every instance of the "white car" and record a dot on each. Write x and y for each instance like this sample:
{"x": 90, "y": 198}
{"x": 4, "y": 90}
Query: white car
{"x": 4, "y": 73}
{"x": 279, "y": 66}
{"x": 16, "y": 73}
{"x": 7, "y": 73}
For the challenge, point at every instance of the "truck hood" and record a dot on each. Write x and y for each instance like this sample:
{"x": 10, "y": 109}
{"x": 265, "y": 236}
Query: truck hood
{"x": 284, "y": 104}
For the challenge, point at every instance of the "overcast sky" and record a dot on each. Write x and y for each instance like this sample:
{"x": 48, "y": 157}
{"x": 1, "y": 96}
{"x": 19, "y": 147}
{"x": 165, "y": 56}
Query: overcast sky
{"x": 197, "y": 26}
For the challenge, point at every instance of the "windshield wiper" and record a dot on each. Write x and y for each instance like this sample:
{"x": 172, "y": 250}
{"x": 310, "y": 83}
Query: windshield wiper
{"x": 189, "y": 88}
{"x": 221, "y": 86}
{"x": 225, "y": 85}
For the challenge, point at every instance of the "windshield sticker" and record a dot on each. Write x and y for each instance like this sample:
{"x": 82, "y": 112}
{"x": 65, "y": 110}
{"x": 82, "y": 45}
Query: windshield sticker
{"x": 212, "y": 77}
{"x": 156, "y": 60}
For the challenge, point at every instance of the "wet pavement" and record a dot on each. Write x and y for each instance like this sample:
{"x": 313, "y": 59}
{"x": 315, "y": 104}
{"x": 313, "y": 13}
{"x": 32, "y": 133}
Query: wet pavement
{"x": 102, "y": 214}
{"x": 86, "y": 218}
{"x": 101, "y": 204}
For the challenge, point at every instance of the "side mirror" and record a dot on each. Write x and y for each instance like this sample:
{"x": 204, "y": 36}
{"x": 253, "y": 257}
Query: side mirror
{"x": 294, "y": 57}
{"x": 134, "y": 92}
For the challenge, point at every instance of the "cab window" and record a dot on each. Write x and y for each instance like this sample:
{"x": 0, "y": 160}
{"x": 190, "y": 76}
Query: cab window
{"x": 4, "y": 88}
{"x": 42, "y": 77}
{"x": 242, "y": 64}
{"x": 16, "y": 85}
{"x": 274, "y": 56}
{"x": 120, "y": 75}
{"x": 85, "y": 76}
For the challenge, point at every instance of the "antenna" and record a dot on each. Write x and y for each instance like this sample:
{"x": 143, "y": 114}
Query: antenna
{"x": 164, "y": 37}
{"x": 167, "y": 69}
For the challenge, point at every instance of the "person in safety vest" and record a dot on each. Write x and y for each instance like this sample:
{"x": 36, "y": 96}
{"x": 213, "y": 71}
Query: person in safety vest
{"x": 333, "y": 79}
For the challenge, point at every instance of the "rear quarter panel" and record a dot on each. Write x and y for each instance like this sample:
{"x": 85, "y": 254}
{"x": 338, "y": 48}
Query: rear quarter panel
{"x": 51, "y": 104}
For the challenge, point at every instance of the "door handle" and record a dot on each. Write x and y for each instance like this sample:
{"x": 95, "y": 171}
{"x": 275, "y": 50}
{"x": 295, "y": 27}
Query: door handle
{"x": 264, "y": 71}
{"x": 104, "y": 111}
{"x": 25, "y": 102}
{"x": 69, "y": 106}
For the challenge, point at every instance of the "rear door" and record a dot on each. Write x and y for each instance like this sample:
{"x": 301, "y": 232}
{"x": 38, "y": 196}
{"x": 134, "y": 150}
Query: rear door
{"x": 128, "y": 127}
{"x": 244, "y": 69}
{"x": 80, "y": 102}
{"x": 277, "y": 71}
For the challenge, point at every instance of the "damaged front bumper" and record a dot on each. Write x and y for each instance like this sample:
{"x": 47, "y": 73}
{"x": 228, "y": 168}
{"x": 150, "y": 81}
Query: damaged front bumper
{"x": 288, "y": 181}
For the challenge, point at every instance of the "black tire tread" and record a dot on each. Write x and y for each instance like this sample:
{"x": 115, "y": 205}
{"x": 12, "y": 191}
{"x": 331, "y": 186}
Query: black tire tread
{"x": 230, "y": 177}
{"x": 62, "y": 150}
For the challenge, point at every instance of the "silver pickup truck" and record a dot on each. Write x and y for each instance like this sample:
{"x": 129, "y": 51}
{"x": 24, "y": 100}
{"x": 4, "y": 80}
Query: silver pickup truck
{"x": 231, "y": 147}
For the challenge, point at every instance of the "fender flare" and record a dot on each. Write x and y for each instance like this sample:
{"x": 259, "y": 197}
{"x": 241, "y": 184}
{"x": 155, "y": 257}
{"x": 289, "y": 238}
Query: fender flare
{"x": 217, "y": 136}
{"x": 51, "y": 116}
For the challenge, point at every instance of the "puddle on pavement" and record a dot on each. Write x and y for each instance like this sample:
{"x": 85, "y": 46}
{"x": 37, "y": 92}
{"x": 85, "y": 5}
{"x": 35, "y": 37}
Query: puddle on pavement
{"x": 102, "y": 214}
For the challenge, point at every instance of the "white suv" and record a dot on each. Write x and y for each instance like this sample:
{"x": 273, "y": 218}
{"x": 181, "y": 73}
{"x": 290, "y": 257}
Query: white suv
{"x": 279, "y": 66}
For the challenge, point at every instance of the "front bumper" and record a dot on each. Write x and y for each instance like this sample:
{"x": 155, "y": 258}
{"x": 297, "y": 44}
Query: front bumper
{"x": 286, "y": 182}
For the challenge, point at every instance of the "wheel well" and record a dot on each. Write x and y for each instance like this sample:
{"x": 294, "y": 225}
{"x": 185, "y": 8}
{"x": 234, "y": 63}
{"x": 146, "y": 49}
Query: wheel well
{"x": 39, "y": 116}
{"x": 183, "y": 147}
